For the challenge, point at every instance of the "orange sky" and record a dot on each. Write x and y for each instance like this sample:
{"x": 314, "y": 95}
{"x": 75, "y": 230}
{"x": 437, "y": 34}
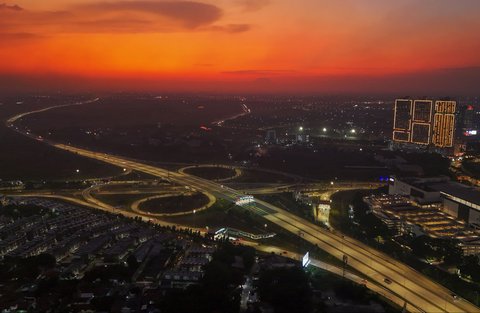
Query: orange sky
{"x": 244, "y": 45}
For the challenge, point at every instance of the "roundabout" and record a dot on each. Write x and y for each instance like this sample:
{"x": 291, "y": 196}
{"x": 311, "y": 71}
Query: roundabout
{"x": 218, "y": 173}
{"x": 174, "y": 204}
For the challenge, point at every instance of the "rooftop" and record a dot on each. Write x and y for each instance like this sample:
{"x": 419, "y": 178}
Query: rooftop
{"x": 457, "y": 190}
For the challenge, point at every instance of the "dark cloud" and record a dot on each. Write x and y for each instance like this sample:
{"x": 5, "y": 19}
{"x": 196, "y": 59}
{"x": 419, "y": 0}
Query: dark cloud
{"x": 18, "y": 36}
{"x": 260, "y": 72}
{"x": 118, "y": 17}
{"x": 4, "y": 6}
{"x": 189, "y": 13}
{"x": 231, "y": 28}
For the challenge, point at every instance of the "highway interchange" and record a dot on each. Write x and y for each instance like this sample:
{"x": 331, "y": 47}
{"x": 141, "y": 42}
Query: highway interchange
{"x": 420, "y": 293}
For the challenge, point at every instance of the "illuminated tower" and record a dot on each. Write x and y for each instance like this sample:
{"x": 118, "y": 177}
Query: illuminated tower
{"x": 402, "y": 120}
{"x": 444, "y": 123}
{"x": 421, "y": 122}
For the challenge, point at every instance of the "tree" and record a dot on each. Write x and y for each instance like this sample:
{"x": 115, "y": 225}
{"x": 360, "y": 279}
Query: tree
{"x": 286, "y": 289}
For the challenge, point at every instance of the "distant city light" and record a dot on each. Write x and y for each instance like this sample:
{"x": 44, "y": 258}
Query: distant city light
{"x": 78, "y": 171}
{"x": 300, "y": 128}
{"x": 331, "y": 183}
{"x": 324, "y": 130}
{"x": 353, "y": 131}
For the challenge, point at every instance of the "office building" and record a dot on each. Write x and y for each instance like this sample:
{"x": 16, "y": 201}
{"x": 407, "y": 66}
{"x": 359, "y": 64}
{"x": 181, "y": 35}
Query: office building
{"x": 469, "y": 121}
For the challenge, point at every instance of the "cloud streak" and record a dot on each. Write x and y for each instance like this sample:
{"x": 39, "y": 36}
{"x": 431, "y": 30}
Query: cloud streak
{"x": 119, "y": 17}
{"x": 4, "y": 6}
{"x": 253, "y": 5}
{"x": 188, "y": 14}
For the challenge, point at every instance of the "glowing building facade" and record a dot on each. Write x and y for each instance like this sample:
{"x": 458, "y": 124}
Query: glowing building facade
{"x": 402, "y": 120}
{"x": 444, "y": 124}
{"x": 419, "y": 122}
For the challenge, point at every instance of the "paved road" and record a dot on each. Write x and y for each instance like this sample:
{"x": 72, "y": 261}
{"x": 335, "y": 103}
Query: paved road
{"x": 421, "y": 293}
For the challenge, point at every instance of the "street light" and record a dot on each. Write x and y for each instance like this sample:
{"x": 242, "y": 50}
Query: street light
{"x": 77, "y": 171}
{"x": 300, "y": 128}
{"x": 324, "y": 130}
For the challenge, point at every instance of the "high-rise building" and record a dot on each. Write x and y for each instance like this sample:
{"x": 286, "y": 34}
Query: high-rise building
{"x": 421, "y": 122}
{"x": 402, "y": 120}
{"x": 444, "y": 124}
{"x": 469, "y": 118}
{"x": 469, "y": 121}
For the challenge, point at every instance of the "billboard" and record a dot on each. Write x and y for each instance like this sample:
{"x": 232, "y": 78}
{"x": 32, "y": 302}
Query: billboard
{"x": 306, "y": 259}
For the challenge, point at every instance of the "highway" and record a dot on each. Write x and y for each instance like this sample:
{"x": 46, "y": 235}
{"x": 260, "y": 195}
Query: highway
{"x": 420, "y": 293}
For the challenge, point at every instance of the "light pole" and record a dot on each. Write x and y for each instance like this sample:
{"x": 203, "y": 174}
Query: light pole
{"x": 194, "y": 218}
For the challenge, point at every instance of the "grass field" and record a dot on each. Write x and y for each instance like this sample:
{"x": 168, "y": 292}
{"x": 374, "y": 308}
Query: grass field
{"x": 175, "y": 204}
{"x": 258, "y": 176}
{"x": 120, "y": 200}
{"x": 211, "y": 173}
{"x": 24, "y": 159}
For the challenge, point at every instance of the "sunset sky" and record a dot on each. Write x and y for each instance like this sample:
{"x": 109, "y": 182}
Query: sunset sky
{"x": 241, "y": 45}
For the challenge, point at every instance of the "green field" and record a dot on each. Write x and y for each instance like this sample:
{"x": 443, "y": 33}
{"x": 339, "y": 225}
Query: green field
{"x": 121, "y": 200}
{"x": 175, "y": 204}
{"x": 24, "y": 159}
{"x": 211, "y": 173}
{"x": 259, "y": 176}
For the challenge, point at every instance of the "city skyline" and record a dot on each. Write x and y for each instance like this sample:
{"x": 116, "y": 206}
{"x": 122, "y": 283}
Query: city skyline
{"x": 241, "y": 46}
